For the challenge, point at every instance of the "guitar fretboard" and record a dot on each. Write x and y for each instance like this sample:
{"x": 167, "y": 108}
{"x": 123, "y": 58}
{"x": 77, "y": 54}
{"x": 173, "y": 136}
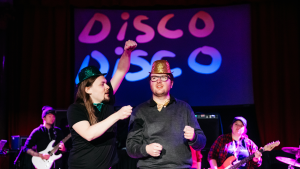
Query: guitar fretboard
{"x": 57, "y": 146}
{"x": 237, "y": 165}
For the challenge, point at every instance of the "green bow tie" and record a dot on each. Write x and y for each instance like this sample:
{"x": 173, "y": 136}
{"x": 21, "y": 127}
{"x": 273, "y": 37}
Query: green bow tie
{"x": 98, "y": 105}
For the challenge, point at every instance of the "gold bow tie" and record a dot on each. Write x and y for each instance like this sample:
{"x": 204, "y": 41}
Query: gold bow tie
{"x": 160, "y": 106}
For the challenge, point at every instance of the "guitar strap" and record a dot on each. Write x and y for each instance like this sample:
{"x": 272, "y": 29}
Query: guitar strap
{"x": 49, "y": 135}
{"x": 236, "y": 150}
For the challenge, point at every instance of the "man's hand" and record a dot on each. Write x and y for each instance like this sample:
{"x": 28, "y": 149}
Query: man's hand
{"x": 257, "y": 156}
{"x": 189, "y": 133}
{"x": 130, "y": 45}
{"x": 62, "y": 147}
{"x": 124, "y": 112}
{"x": 154, "y": 149}
{"x": 44, "y": 156}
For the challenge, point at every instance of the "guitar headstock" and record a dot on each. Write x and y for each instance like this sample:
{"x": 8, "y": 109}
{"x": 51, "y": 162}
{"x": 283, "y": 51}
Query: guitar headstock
{"x": 271, "y": 145}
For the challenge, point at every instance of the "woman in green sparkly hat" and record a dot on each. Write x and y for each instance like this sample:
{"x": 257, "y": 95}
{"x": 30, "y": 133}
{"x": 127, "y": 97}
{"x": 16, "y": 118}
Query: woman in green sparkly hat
{"x": 92, "y": 119}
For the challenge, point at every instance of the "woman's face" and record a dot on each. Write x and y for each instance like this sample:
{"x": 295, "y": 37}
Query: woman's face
{"x": 238, "y": 128}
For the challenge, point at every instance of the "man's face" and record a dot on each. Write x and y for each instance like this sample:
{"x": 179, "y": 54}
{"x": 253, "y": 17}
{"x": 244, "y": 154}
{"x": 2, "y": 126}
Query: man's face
{"x": 49, "y": 119}
{"x": 99, "y": 91}
{"x": 160, "y": 87}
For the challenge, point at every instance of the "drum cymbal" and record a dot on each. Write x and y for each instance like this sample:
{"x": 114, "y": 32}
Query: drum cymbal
{"x": 288, "y": 161}
{"x": 291, "y": 150}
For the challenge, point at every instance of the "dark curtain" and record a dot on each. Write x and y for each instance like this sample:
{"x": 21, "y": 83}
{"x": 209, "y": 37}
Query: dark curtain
{"x": 39, "y": 66}
{"x": 40, "y": 61}
{"x": 276, "y": 71}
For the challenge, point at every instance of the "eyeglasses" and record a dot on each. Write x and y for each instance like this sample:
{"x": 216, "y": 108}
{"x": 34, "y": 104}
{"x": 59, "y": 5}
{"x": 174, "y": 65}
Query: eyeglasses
{"x": 162, "y": 78}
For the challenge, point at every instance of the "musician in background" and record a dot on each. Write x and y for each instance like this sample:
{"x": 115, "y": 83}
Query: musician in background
{"x": 235, "y": 144}
{"x": 43, "y": 135}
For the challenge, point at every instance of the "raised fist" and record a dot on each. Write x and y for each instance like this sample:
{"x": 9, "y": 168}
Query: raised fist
{"x": 189, "y": 132}
{"x": 130, "y": 45}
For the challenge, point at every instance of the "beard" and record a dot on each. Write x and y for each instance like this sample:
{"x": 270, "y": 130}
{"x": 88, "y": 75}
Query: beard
{"x": 106, "y": 99}
{"x": 160, "y": 94}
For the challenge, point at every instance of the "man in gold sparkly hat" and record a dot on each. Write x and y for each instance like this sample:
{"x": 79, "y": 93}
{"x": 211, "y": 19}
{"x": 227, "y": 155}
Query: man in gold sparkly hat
{"x": 163, "y": 128}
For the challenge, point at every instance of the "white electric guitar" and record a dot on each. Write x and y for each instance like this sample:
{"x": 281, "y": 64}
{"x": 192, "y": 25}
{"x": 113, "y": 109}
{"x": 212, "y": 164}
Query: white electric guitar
{"x": 40, "y": 163}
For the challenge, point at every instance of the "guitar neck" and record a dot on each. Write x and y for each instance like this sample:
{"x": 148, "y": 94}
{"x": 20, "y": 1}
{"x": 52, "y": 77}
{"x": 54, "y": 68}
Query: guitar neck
{"x": 57, "y": 146}
{"x": 243, "y": 161}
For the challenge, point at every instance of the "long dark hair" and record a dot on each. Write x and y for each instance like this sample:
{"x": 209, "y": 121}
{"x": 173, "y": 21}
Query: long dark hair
{"x": 84, "y": 98}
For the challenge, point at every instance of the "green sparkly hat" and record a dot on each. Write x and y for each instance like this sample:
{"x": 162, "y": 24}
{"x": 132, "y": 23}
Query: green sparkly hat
{"x": 88, "y": 72}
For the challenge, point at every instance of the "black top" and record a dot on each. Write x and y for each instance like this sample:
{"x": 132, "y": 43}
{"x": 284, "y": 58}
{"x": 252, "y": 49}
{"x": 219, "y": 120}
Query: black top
{"x": 41, "y": 137}
{"x": 100, "y": 152}
{"x": 147, "y": 125}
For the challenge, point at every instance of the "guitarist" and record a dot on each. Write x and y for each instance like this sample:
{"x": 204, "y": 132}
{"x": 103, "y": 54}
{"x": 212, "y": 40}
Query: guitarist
{"x": 42, "y": 135}
{"x": 235, "y": 144}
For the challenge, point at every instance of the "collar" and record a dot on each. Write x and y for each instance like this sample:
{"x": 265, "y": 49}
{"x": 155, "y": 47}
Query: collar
{"x": 98, "y": 106}
{"x": 229, "y": 137}
{"x": 45, "y": 128}
{"x": 153, "y": 103}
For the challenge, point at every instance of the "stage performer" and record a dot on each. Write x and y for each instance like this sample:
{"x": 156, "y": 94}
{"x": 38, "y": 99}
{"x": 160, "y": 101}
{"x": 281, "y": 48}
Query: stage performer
{"x": 163, "y": 128}
{"x": 92, "y": 119}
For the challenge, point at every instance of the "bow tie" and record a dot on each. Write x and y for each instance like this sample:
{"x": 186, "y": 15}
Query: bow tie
{"x": 98, "y": 105}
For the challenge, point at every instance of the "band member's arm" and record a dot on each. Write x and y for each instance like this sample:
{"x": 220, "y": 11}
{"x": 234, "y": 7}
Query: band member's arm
{"x": 213, "y": 164}
{"x": 214, "y": 153}
{"x": 198, "y": 165}
{"x": 60, "y": 137}
{"x": 123, "y": 66}
{"x": 134, "y": 143}
{"x": 62, "y": 147}
{"x": 199, "y": 159}
{"x": 88, "y": 132}
{"x": 257, "y": 160}
{"x": 33, "y": 153}
{"x": 257, "y": 156}
{"x": 30, "y": 142}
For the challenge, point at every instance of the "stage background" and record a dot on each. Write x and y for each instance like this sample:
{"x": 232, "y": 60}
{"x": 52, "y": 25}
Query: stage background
{"x": 208, "y": 49}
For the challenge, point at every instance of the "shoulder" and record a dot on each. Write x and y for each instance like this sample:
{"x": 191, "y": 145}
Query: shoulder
{"x": 181, "y": 107}
{"x": 76, "y": 107}
{"x": 37, "y": 130}
{"x": 144, "y": 104}
{"x": 181, "y": 103}
{"x": 40, "y": 128}
{"x": 141, "y": 107}
{"x": 225, "y": 138}
{"x": 249, "y": 141}
{"x": 57, "y": 128}
{"x": 75, "y": 111}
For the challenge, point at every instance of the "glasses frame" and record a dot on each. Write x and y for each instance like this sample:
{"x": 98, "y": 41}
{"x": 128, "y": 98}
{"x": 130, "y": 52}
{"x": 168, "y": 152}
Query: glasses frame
{"x": 159, "y": 77}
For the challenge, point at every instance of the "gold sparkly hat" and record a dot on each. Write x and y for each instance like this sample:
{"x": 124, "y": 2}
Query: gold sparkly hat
{"x": 160, "y": 66}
